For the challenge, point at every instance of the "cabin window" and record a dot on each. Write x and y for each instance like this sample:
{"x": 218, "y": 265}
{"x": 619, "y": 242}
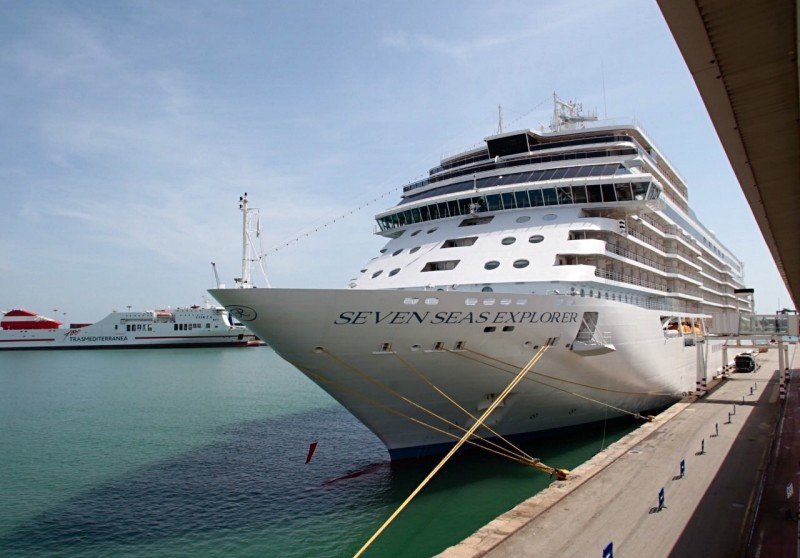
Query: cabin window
{"x": 508, "y": 240}
{"x": 489, "y": 329}
{"x": 549, "y": 217}
{"x": 413, "y": 250}
{"x": 415, "y": 233}
{"x": 519, "y": 264}
{"x": 523, "y": 219}
{"x": 536, "y": 198}
{"x": 594, "y": 194}
{"x": 493, "y": 264}
{"x": 550, "y": 196}
{"x": 433, "y": 230}
{"x": 444, "y": 265}
{"x": 473, "y": 221}
{"x": 374, "y": 275}
{"x": 458, "y": 242}
{"x": 394, "y": 272}
{"x": 522, "y": 199}
{"x": 396, "y": 252}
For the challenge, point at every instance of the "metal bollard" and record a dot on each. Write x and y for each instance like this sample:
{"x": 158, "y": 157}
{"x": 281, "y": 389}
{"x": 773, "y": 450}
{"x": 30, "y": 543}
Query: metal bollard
{"x": 683, "y": 468}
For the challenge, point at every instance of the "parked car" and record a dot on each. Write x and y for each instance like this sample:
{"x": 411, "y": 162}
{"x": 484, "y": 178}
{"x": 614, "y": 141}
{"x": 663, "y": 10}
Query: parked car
{"x": 745, "y": 363}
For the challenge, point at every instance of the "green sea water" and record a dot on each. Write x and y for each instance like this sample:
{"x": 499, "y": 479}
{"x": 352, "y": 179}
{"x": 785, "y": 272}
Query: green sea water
{"x": 201, "y": 452}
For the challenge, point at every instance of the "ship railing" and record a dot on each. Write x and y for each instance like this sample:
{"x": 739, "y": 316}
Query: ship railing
{"x": 615, "y": 276}
{"x": 647, "y": 240}
{"x": 624, "y": 252}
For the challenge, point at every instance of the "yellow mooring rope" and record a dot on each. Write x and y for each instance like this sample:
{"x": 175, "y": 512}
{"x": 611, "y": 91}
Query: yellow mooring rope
{"x": 460, "y": 443}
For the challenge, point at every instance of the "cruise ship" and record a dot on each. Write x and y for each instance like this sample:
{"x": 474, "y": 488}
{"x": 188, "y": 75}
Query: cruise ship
{"x": 195, "y": 326}
{"x": 579, "y": 238}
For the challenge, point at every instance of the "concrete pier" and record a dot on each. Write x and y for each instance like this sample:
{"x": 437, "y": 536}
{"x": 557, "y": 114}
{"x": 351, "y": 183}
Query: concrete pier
{"x": 708, "y": 512}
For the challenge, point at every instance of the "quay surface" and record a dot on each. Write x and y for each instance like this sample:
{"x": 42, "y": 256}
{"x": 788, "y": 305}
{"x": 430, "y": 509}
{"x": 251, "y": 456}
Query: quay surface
{"x": 708, "y": 512}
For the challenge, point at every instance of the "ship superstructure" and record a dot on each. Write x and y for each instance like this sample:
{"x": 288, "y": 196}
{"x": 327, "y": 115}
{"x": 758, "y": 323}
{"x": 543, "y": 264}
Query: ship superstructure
{"x": 580, "y": 236}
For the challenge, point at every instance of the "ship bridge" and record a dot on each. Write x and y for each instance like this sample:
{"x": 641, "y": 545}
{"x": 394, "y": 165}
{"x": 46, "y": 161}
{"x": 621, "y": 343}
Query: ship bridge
{"x": 743, "y": 58}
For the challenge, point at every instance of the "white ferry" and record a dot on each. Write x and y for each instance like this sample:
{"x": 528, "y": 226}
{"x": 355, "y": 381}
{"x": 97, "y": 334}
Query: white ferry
{"x": 579, "y": 238}
{"x": 182, "y": 327}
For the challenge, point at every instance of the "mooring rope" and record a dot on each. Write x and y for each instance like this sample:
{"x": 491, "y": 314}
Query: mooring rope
{"x": 458, "y": 445}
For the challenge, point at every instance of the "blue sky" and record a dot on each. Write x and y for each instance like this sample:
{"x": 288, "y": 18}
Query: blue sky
{"x": 130, "y": 129}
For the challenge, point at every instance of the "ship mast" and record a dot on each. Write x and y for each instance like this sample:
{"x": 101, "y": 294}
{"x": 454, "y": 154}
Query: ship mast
{"x": 251, "y": 226}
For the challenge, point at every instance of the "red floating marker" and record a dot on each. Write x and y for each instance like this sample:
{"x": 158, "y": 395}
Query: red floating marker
{"x": 311, "y": 449}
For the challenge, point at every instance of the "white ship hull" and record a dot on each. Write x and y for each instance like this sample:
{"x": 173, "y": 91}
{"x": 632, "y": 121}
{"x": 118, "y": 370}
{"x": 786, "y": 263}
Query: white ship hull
{"x": 339, "y": 338}
{"x": 181, "y": 328}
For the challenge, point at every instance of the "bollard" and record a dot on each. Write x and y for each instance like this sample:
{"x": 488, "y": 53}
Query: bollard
{"x": 734, "y": 409}
{"x": 716, "y": 428}
{"x": 755, "y": 387}
{"x": 702, "y": 446}
{"x": 751, "y": 392}
{"x": 683, "y": 468}
{"x": 661, "y": 499}
{"x": 608, "y": 551}
{"x": 743, "y": 398}
{"x": 729, "y": 419}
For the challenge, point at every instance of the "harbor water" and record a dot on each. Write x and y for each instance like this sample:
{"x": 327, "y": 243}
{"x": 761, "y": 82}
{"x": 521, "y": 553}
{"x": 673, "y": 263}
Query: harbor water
{"x": 201, "y": 452}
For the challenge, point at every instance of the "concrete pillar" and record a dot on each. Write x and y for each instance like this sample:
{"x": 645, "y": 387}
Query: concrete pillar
{"x": 724, "y": 360}
{"x": 701, "y": 384}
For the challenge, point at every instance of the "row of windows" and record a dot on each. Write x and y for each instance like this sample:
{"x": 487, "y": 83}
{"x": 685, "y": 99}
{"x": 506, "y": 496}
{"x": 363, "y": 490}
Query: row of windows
{"x": 549, "y": 145}
{"x": 138, "y": 327}
{"x": 565, "y": 195}
{"x": 188, "y": 327}
{"x": 586, "y": 171}
{"x": 519, "y": 162}
{"x": 447, "y": 265}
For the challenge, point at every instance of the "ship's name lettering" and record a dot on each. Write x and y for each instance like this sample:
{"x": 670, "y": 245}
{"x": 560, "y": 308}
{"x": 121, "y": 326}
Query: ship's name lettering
{"x": 362, "y": 317}
{"x": 98, "y": 338}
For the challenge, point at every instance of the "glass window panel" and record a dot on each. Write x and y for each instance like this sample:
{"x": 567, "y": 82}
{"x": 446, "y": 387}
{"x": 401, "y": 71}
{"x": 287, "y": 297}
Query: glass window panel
{"x": 415, "y": 215}
{"x": 433, "y": 210}
{"x": 547, "y": 174}
{"x": 423, "y": 211}
{"x": 452, "y": 207}
{"x": 493, "y": 202}
{"x": 597, "y": 170}
{"x": 594, "y": 194}
{"x": 463, "y": 206}
{"x": 522, "y": 198}
{"x": 508, "y": 201}
{"x": 579, "y": 194}
{"x": 639, "y": 190}
{"x": 584, "y": 171}
{"x": 608, "y": 193}
{"x": 559, "y": 173}
{"x": 564, "y": 195}
{"x": 550, "y": 197}
{"x": 624, "y": 192}
{"x": 571, "y": 172}
{"x": 484, "y": 182}
{"x": 622, "y": 170}
{"x": 443, "y": 211}
{"x": 536, "y": 198}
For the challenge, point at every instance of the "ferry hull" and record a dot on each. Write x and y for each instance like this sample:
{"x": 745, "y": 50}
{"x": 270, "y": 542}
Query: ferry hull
{"x": 381, "y": 352}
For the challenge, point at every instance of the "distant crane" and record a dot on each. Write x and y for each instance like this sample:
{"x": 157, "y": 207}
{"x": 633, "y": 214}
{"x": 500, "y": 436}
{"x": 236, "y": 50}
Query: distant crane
{"x": 217, "y": 282}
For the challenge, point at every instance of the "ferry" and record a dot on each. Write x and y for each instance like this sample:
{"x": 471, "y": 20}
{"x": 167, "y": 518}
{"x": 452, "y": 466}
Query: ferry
{"x": 175, "y": 328}
{"x": 578, "y": 237}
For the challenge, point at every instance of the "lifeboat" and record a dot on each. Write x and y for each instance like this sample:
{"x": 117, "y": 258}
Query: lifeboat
{"x": 25, "y": 319}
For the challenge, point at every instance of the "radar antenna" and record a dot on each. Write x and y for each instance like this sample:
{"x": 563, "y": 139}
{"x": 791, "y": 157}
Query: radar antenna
{"x": 567, "y": 115}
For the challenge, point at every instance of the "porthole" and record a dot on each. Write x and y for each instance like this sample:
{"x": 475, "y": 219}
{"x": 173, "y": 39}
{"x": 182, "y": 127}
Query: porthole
{"x": 535, "y": 239}
{"x": 397, "y": 252}
{"x": 416, "y": 232}
{"x": 523, "y": 219}
{"x": 519, "y": 264}
{"x": 487, "y": 290}
{"x": 374, "y": 275}
{"x": 549, "y": 217}
{"x": 494, "y": 264}
{"x": 414, "y": 249}
{"x": 383, "y": 250}
{"x": 363, "y": 271}
{"x": 433, "y": 230}
{"x": 508, "y": 240}
{"x": 394, "y": 272}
